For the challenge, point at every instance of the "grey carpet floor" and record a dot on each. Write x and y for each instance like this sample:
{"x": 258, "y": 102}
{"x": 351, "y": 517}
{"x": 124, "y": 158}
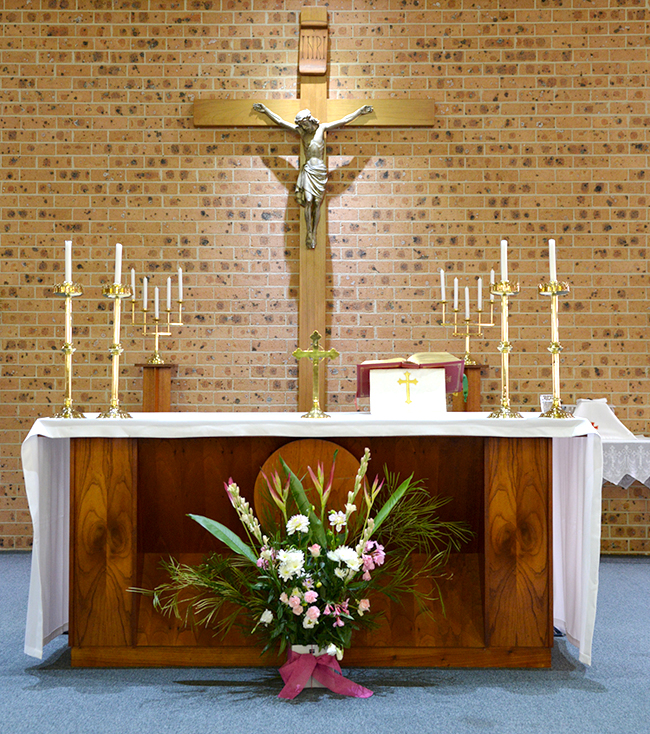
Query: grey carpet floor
{"x": 611, "y": 696}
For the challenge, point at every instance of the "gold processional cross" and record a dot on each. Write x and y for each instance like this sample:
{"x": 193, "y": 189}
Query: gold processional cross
{"x": 408, "y": 382}
{"x": 316, "y": 354}
{"x": 313, "y": 81}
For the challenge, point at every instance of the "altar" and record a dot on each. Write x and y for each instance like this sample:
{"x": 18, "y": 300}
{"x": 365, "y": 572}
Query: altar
{"x": 109, "y": 500}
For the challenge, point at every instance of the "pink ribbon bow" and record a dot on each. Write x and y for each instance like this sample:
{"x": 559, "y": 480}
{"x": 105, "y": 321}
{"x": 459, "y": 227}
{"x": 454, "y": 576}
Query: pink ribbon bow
{"x": 300, "y": 667}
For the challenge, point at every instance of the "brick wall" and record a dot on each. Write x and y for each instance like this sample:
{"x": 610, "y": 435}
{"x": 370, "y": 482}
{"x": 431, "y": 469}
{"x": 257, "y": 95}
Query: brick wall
{"x": 542, "y": 132}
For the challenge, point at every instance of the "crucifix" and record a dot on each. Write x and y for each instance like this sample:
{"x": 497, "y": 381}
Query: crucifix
{"x": 316, "y": 355}
{"x": 313, "y": 78}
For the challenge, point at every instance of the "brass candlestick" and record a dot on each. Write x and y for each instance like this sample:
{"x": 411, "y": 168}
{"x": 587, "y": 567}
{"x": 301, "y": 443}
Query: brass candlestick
{"x": 68, "y": 291}
{"x": 466, "y": 330}
{"x": 316, "y": 354}
{"x": 505, "y": 289}
{"x": 554, "y": 289}
{"x": 117, "y": 292}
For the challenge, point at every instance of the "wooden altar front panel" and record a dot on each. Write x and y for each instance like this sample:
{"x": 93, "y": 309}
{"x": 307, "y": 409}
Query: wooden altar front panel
{"x": 130, "y": 499}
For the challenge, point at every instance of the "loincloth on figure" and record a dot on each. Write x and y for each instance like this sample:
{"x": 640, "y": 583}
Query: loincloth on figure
{"x": 310, "y": 185}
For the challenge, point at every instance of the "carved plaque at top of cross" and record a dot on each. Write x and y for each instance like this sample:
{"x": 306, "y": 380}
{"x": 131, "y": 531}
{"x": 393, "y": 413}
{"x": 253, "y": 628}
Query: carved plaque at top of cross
{"x": 313, "y": 78}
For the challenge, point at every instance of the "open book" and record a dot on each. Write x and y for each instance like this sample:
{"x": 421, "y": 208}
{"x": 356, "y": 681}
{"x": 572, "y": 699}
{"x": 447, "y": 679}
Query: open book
{"x": 453, "y": 367}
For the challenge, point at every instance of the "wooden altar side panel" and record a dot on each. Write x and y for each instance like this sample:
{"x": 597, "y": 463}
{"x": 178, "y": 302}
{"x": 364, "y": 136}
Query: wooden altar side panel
{"x": 518, "y": 543}
{"x": 103, "y": 541}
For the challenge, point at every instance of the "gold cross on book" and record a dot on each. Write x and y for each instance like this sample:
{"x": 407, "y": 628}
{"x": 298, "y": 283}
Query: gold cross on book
{"x": 316, "y": 354}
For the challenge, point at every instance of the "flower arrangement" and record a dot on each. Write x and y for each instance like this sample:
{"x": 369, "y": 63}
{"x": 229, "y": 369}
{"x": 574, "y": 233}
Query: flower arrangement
{"x": 309, "y": 578}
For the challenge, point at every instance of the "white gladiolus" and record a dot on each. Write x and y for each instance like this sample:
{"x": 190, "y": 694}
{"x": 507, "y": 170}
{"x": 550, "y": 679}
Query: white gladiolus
{"x": 267, "y": 617}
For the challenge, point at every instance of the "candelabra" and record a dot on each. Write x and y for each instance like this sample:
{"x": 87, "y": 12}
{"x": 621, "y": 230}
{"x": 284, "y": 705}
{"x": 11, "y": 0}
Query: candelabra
{"x": 117, "y": 292}
{"x": 554, "y": 289}
{"x": 159, "y": 329}
{"x": 505, "y": 289}
{"x": 68, "y": 290}
{"x": 465, "y": 330}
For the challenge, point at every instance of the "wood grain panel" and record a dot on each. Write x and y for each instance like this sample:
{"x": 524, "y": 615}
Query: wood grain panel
{"x": 103, "y": 541}
{"x": 518, "y": 542}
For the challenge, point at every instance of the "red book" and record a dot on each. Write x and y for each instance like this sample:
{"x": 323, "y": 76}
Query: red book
{"x": 453, "y": 366}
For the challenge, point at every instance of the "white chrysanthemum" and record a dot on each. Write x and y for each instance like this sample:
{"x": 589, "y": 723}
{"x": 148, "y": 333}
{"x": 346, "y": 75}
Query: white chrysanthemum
{"x": 299, "y": 523}
{"x": 290, "y": 563}
{"x": 267, "y": 617}
{"x": 350, "y": 557}
{"x": 342, "y": 573}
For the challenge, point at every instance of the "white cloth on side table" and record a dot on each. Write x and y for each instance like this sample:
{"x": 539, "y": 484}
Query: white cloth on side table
{"x": 602, "y": 417}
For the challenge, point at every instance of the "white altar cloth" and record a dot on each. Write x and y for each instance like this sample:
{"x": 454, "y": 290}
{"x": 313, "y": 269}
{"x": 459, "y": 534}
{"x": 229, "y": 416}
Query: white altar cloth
{"x": 577, "y": 480}
{"x": 626, "y": 461}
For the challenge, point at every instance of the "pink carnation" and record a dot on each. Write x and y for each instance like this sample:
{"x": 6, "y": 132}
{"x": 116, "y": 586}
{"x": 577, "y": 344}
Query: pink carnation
{"x": 297, "y": 610}
{"x": 294, "y": 601}
{"x": 311, "y": 596}
{"x": 313, "y": 613}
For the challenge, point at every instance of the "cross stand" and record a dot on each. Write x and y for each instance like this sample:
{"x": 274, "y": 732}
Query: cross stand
{"x": 316, "y": 355}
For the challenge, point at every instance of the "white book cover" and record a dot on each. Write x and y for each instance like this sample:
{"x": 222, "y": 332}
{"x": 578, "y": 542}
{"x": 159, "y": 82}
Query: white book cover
{"x": 403, "y": 393}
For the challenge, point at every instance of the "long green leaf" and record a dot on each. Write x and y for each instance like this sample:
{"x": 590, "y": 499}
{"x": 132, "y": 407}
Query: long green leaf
{"x": 392, "y": 501}
{"x": 225, "y": 535}
{"x": 304, "y": 506}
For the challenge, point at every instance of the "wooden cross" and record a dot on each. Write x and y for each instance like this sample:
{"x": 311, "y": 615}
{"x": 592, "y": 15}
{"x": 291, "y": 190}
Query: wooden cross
{"x": 313, "y": 77}
{"x": 316, "y": 355}
{"x": 408, "y": 382}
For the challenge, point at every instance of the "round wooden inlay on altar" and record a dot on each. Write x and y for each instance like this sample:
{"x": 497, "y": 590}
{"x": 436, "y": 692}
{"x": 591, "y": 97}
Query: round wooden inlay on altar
{"x": 299, "y": 455}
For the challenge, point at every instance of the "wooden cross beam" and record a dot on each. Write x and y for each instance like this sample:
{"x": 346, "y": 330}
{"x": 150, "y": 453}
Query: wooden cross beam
{"x": 313, "y": 77}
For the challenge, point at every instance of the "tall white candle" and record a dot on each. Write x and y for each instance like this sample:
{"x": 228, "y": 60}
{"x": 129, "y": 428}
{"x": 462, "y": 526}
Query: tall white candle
{"x": 551, "y": 260}
{"x": 118, "y": 264}
{"x": 504, "y": 259}
{"x": 132, "y": 282}
{"x": 180, "y": 284}
{"x": 480, "y": 294}
{"x": 491, "y": 284}
{"x": 467, "y": 302}
{"x": 169, "y": 294}
{"x": 156, "y": 303}
{"x": 442, "y": 284}
{"x": 68, "y": 261}
{"x": 455, "y": 294}
{"x": 145, "y": 284}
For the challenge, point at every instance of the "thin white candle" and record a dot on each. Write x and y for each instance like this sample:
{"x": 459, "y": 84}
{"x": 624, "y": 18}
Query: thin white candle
{"x": 504, "y": 260}
{"x": 169, "y": 294}
{"x": 551, "y": 260}
{"x": 455, "y": 294}
{"x": 491, "y": 285}
{"x": 133, "y": 282}
{"x": 442, "y": 284}
{"x": 156, "y": 303}
{"x": 118, "y": 264}
{"x": 467, "y": 303}
{"x": 480, "y": 294}
{"x": 145, "y": 284}
{"x": 180, "y": 284}
{"x": 68, "y": 261}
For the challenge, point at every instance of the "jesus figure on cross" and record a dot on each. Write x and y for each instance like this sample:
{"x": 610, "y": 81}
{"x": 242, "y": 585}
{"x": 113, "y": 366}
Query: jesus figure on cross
{"x": 310, "y": 187}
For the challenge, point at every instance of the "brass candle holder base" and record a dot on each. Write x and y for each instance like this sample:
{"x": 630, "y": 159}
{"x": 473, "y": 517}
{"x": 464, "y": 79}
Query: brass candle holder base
{"x": 505, "y": 411}
{"x": 115, "y": 411}
{"x": 67, "y": 411}
{"x": 556, "y": 411}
